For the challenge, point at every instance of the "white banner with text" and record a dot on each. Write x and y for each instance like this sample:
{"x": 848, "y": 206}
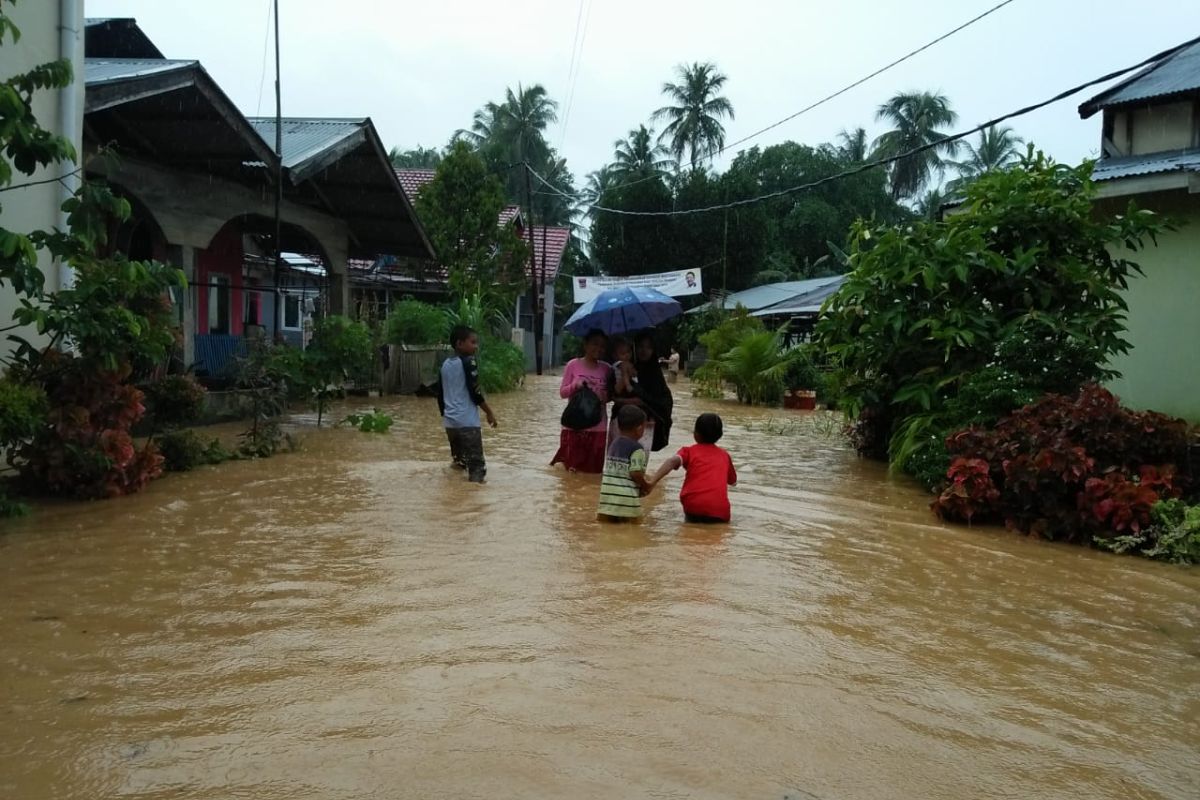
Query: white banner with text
{"x": 674, "y": 284}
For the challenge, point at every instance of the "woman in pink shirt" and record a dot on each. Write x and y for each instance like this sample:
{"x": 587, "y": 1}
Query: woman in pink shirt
{"x": 583, "y": 451}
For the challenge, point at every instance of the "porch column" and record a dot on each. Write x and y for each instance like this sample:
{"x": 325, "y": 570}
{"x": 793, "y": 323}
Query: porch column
{"x": 339, "y": 279}
{"x": 548, "y": 324}
{"x": 183, "y": 257}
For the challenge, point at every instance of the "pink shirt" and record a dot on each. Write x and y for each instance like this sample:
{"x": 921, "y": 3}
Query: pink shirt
{"x": 578, "y": 372}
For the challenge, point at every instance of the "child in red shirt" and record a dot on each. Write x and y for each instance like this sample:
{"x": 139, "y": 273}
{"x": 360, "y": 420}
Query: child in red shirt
{"x": 710, "y": 473}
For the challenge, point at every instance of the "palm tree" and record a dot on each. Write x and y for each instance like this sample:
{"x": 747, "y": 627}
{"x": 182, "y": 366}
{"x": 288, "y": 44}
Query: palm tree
{"x": 598, "y": 183}
{"x": 695, "y": 116}
{"x": 998, "y": 148}
{"x": 418, "y": 157}
{"x": 918, "y": 119}
{"x": 639, "y": 156}
{"x": 484, "y": 125}
{"x": 929, "y": 206}
{"x": 522, "y": 121}
{"x": 853, "y": 145}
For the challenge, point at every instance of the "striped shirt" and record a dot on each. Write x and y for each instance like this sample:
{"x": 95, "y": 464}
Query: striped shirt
{"x": 619, "y": 495}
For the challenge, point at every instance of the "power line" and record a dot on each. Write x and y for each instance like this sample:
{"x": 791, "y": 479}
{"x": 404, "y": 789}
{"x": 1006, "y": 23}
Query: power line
{"x": 845, "y": 89}
{"x": 864, "y": 79}
{"x": 883, "y": 162}
{"x": 571, "y": 66}
{"x": 578, "y": 66}
{"x": 262, "y": 79}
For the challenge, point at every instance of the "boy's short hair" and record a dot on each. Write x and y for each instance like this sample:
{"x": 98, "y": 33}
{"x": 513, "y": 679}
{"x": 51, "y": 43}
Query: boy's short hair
{"x": 629, "y": 417}
{"x": 709, "y": 428}
{"x": 460, "y": 333}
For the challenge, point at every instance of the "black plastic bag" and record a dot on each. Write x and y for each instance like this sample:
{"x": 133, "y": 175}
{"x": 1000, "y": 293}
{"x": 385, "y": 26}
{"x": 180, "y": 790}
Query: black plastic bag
{"x": 583, "y": 410}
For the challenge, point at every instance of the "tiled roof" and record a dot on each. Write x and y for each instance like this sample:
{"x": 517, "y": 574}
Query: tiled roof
{"x": 1151, "y": 164}
{"x": 554, "y": 243}
{"x": 411, "y": 180}
{"x": 1175, "y": 74}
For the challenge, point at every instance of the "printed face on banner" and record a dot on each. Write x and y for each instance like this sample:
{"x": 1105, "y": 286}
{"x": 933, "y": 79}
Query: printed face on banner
{"x": 674, "y": 284}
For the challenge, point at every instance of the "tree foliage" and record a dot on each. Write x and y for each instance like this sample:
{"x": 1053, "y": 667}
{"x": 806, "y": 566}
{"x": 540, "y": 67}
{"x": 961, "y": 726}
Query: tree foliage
{"x": 695, "y": 112}
{"x": 1022, "y": 280}
{"x": 917, "y": 119}
{"x": 459, "y": 209}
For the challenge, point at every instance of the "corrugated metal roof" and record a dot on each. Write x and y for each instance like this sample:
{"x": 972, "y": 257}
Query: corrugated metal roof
{"x": 1131, "y": 166}
{"x": 99, "y": 71}
{"x": 1174, "y": 74}
{"x": 305, "y": 138}
{"x": 805, "y": 302}
{"x": 772, "y": 293}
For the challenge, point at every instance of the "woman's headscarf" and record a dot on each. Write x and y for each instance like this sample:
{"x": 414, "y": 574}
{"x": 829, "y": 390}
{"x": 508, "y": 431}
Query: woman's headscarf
{"x": 654, "y": 392}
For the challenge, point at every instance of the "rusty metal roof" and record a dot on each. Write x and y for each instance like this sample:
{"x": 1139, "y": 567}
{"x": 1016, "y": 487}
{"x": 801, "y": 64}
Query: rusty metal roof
{"x": 1175, "y": 74}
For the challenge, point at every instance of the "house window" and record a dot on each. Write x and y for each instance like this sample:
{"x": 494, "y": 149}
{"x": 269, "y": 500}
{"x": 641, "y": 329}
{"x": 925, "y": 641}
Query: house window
{"x": 291, "y": 312}
{"x": 252, "y": 308}
{"x": 218, "y": 304}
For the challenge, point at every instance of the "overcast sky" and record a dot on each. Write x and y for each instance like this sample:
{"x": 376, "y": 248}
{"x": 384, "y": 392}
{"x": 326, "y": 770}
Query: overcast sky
{"x": 419, "y": 69}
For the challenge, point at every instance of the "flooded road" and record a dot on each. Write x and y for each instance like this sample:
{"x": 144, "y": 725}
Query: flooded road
{"x": 355, "y": 621}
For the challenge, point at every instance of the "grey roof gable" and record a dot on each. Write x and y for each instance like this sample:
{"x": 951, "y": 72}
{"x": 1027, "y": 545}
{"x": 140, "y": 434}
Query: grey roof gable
{"x": 1175, "y": 74}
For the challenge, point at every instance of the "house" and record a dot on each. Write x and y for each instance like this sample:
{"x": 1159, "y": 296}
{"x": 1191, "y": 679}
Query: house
{"x": 1150, "y": 145}
{"x": 201, "y": 179}
{"x": 549, "y": 247}
{"x": 49, "y": 31}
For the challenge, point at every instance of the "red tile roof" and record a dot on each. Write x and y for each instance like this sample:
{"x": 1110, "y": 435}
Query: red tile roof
{"x": 411, "y": 181}
{"x": 556, "y": 240}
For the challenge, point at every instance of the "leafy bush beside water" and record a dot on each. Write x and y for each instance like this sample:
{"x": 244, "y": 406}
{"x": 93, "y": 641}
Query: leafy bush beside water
{"x": 415, "y": 323}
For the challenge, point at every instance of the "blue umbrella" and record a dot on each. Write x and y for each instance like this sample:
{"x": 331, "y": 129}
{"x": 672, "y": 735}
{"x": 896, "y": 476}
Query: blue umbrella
{"x": 624, "y": 310}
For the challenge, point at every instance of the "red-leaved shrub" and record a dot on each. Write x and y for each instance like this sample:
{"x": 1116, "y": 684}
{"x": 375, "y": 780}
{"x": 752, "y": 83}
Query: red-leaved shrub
{"x": 1069, "y": 468}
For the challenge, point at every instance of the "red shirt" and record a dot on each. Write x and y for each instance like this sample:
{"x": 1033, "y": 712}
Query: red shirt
{"x": 710, "y": 473}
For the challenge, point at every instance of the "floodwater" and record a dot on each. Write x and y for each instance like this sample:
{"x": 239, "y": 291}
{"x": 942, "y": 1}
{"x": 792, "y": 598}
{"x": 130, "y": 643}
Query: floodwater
{"x": 355, "y": 621}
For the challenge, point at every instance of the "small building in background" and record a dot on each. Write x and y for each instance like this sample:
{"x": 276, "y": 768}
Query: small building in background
{"x": 1150, "y": 145}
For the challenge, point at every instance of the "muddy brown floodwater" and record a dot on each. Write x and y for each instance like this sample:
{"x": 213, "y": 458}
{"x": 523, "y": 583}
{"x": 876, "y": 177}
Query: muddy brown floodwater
{"x": 355, "y": 621}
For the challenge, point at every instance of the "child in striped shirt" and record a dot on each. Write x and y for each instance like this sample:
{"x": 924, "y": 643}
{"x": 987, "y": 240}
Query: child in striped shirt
{"x": 624, "y": 482}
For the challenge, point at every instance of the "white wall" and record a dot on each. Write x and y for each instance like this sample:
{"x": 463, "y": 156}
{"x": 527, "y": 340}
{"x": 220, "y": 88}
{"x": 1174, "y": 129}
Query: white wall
{"x": 37, "y": 207}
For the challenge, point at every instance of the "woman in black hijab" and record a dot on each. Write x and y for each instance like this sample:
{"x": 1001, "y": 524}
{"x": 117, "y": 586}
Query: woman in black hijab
{"x": 652, "y": 388}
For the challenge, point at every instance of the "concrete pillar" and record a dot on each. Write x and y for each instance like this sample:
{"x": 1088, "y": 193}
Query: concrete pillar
{"x": 339, "y": 278}
{"x": 184, "y": 257}
{"x": 548, "y": 325}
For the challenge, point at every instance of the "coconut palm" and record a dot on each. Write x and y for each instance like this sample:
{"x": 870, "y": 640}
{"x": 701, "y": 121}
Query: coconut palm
{"x": 929, "y": 206}
{"x": 695, "y": 116}
{"x": 639, "y": 156}
{"x": 599, "y": 182}
{"x": 998, "y": 148}
{"x": 522, "y": 120}
{"x": 918, "y": 119}
{"x": 484, "y": 125}
{"x": 853, "y": 145}
{"x": 418, "y": 157}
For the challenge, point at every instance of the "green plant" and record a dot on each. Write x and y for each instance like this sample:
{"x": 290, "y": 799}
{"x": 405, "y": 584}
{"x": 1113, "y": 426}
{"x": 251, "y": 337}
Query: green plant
{"x": 733, "y": 328}
{"x": 802, "y": 372}
{"x": 1023, "y": 279}
{"x": 261, "y": 379}
{"x": 185, "y": 450}
{"x": 501, "y": 365}
{"x": 756, "y": 365}
{"x": 373, "y": 422}
{"x": 708, "y": 382}
{"x": 1173, "y": 536}
{"x": 174, "y": 401}
{"x": 412, "y": 322}
{"x": 480, "y": 313}
{"x": 340, "y": 349}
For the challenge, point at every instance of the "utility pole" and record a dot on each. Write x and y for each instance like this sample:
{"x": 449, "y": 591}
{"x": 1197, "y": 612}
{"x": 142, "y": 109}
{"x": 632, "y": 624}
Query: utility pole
{"x": 534, "y": 293}
{"x": 278, "y": 186}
